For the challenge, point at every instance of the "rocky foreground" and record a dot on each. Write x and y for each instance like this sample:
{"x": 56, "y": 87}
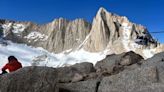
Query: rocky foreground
{"x": 126, "y": 72}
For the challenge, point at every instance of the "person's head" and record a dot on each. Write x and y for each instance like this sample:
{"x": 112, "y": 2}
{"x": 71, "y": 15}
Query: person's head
{"x": 12, "y": 58}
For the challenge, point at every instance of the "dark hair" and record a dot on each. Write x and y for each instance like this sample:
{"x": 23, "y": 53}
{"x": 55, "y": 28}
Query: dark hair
{"x": 11, "y": 58}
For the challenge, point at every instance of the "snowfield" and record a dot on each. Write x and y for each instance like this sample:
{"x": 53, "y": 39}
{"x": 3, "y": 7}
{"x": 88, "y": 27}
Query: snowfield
{"x": 29, "y": 56}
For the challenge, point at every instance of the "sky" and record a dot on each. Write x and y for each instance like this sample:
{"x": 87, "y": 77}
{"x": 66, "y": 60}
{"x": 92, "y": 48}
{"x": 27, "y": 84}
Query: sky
{"x": 149, "y": 13}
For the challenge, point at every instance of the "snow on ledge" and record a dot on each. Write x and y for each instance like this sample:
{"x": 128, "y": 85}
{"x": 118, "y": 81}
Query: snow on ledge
{"x": 36, "y": 35}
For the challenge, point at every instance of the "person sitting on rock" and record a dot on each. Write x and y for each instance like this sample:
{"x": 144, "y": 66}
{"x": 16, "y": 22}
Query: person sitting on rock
{"x": 12, "y": 65}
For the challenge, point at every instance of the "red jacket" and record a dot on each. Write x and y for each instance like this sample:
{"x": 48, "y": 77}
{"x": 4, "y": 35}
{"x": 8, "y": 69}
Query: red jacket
{"x": 12, "y": 66}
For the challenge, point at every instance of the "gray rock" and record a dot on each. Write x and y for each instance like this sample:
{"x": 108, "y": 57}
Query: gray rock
{"x": 77, "y": 77}
{"x": 29, "y": 79}
{"x": 83, "y": 86}
{"x": 45, "y": 79}
{"x": 156, "y": 61}
{"x": 107, "y": 64}
{"x": 155, "y": 87}
{"x": 82, "y": 77}
{"x": 67, "y": 74}
{"x": 147, "y": 77}
{"x": 130, "y": 58}
{"x": 128, "y": 81}
{"x": 116, "y": 63}
{"x": 84, "y": 67}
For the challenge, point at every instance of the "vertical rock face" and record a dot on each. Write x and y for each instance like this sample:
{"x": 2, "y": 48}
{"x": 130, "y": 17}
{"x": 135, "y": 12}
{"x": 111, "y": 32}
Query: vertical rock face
{"x": 55, "y": 40}
{"x": 56, "y": 36}
{"x": 112, "y": 31}
{"x": 109, "y": 32}
{"x": 67, "y": 35}
{"x": 102, "y": 31}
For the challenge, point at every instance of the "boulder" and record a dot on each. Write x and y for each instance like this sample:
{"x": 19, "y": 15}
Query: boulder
{"x": 74, "y": 72}
{"x": 156, "y": 61}
{"x": 83, "y": 86}
{"x": 155, "y": 87}
{"x": 116, "y": 63}
{"x": 129, "y": 81}
{"x": 44, "y": 79}
{"x": 147, "y": 76}
{"x": 130, "y": 58}
{"x": 77, "y": 77}
{"x": 29, "y": 79}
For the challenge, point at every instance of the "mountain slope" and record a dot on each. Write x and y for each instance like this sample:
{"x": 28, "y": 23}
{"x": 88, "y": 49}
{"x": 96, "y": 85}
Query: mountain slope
{"x": 117, "y": 34}
{"x": 57, "y": 36}
{"x": 77, "y": 40}
{"x": 31, "y": 56}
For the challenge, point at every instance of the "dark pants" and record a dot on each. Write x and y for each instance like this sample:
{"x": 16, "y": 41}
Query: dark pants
{"x": 3, "y": 72}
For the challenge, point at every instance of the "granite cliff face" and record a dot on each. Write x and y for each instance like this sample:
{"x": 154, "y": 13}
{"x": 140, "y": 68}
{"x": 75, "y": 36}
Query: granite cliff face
{"x": 109, "y": 33}
{"x": 117, "y": 34}
{"x": 57, "y": 36}
{"x": 67, "y": 35}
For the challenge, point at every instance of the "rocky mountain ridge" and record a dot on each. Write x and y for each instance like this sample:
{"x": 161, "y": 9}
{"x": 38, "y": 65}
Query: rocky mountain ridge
{"x": 109, "y": 33}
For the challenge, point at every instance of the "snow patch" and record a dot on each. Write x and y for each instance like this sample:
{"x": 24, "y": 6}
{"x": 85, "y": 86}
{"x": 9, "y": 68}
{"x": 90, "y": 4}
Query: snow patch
{"x": 36, "y": 35}
{"x": 18, "y": 28}
{"x": 6, "y": 26}
{"x": 14, "y": 27}
{"x": 29, "y": 56}
{"x": 148, "y": 53}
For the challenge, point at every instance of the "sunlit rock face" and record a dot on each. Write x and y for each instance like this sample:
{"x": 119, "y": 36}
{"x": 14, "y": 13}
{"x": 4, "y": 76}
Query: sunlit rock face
{"x": 57, "y": 36}
{"x": 117, "y": 34}
{"x": 67, "y": 35}
{"x": 108, "y": 33}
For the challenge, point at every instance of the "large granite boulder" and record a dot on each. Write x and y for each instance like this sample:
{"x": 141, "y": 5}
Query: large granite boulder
{"x": 44, "y": 79}
{"x": 83, "y": 86}
{"x": 116, "y": 63}
{"x": 128, "y": 81}
{"x": 29, "y": 79}
{"x": 149, "y": 77}
{"x": 75, "y": 72}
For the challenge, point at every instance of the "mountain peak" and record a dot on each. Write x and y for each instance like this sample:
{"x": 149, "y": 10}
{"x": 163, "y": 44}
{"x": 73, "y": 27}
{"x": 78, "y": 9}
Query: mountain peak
{"x": 102, "y": 9}
{"x": 60, "y": 19}
{"x": 117, "y": 34}
{"x": 108, "y": 32}
{"x": 101, "y": 12}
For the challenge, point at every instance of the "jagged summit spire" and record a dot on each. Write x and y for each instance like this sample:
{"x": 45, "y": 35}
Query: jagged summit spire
{"x": 59, "y": 19}
{"x": 101, "y": 11}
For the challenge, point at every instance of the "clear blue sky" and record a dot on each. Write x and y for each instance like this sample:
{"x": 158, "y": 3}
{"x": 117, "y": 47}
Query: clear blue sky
{"x": 149, "y": 13}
